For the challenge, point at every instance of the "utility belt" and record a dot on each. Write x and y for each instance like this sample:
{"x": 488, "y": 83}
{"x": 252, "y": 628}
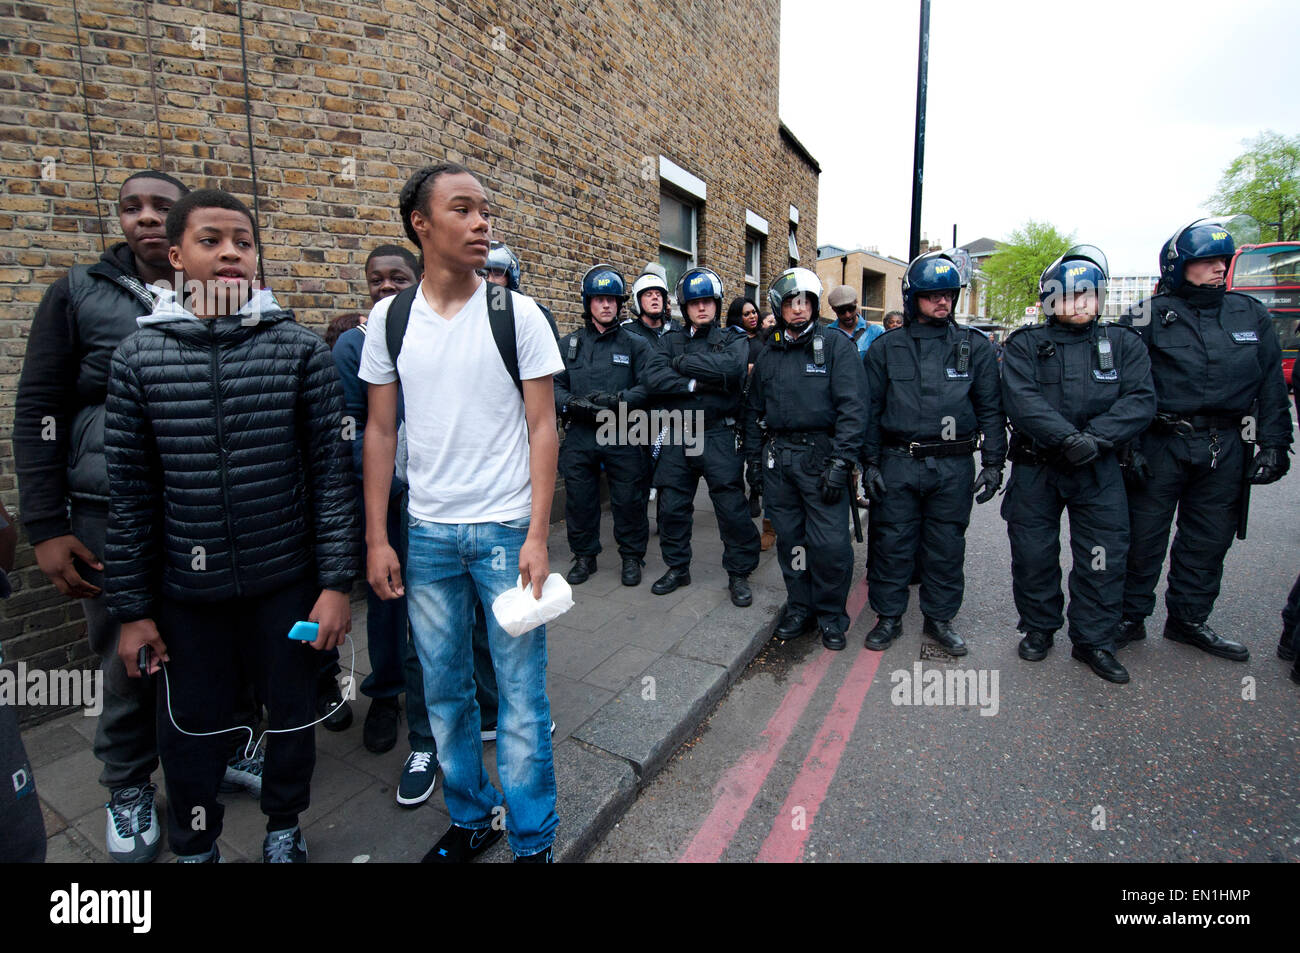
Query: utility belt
{"x": 1027, "y": 453}
{"x": 799, "y": 438}
{"x": 939, "y": 448}
{"x": 1196, "y": 423}
{"x": 714, "y": 421}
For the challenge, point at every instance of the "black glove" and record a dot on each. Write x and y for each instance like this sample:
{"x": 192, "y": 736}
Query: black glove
{"x": 676, "y": 363}
{"x": 580, "y": 408}
{"x": 1080, "y": 449}
{"x": 987, "y": 484}
{"x": 604, "y": 399}
{"x": 835, "y": 480}
{"x": 873, "y": 482}
{"x": 755, "y": 502}
{"x": 1270, "y": 465}
{"x": 1134, "y": 468}
{"x": 754, "y": 477}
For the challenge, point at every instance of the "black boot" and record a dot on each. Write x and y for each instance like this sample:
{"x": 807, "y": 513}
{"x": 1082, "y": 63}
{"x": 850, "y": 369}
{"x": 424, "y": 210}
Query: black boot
{"x": 670, "y": 580}
{"x": 1034, "y": 646}
{"x": 1130, "y": 630}
{"x": 885, "y": 631}
{"x": 1206, "y": 639}
{"x": 793, "y": 624}
{"x": 632, "y": 571}
{"x": 833, "y": 638}
{"x": 942, "y": 632}
{"x": 583, "y": 567}
{"x": 379, "y": 734}
{"x": 1286, "y": 645}
{"x": 740, "y": 593}
{"x": 1102, "y": 663}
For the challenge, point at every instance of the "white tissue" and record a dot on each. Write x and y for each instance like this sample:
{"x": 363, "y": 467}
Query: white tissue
{"x": 518, "y": 612}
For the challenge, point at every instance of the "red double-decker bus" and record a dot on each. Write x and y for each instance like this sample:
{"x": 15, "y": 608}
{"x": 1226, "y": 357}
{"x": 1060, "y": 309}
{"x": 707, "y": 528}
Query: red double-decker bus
{"x": 1270, "y": 273}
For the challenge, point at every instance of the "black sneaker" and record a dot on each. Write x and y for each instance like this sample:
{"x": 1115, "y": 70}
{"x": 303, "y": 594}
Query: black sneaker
{"x": 541, "y": 857}
{"x": 460, "y": 845}
{"x": 379, "y": 734}
{"x": 330, "y": 699}
{"x": 285, "y": 847}
{"x": 132, "y": 834}
{"x": 419, "y": 777}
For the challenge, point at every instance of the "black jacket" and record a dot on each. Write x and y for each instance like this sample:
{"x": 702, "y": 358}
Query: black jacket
{"x": 919, "y": 392}
{"x": 652, "y": 336}
{"x": 716, "y": 359}
{"x": 59, "y": 412}
{"x": 1053, "y": 384}
{"x": 230, "y": 475}
{"x": 613, "y": 362}
{"x": 790, "y": 390}
{"x": 1216, "y": 361}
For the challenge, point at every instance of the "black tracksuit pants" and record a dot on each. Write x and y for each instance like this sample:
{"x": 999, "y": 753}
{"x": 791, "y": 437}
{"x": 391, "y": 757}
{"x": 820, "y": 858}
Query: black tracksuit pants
{"x": 580, "y": 464}
{"x": 213, "y": 647}
{"x": 1099, "y": 541}
{"x": 925, "y": 511}
{"x": 677, "y": 474}
{"x": 1207, "y": 499}
{"x": 810, "y": 534}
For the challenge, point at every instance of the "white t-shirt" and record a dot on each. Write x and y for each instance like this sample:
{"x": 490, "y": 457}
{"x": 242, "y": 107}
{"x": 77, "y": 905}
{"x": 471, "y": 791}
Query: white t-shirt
{"x": 466, "y": 432}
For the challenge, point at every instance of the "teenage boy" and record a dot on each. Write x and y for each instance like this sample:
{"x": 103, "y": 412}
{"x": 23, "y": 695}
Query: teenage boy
{"x": 232, "y": 518}
{"x": 63, "y": 481}
{"x": 482, "y": 455}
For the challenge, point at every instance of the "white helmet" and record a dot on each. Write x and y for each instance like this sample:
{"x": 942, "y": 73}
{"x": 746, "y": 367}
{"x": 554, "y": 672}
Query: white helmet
{"x": 649, "y": 281}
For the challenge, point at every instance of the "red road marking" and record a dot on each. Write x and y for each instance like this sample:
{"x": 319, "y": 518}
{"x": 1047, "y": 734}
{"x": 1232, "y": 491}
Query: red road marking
{"x": 736, "y": 791}
{"x": 784, "y": 843}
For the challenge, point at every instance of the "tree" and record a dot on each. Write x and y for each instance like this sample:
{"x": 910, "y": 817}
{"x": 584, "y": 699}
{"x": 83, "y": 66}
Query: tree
{"x": 1012, "y": 271}
{"x": 1264, "y": 183}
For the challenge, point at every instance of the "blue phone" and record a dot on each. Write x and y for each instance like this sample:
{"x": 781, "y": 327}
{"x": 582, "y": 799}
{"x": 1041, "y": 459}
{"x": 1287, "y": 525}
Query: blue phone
{"x": 305, "y": 631}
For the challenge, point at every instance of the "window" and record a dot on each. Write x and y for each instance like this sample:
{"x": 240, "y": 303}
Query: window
{"x": 753, "y": 265}
{"x": 794, "y": 249}
{"x": 678, "y": 226}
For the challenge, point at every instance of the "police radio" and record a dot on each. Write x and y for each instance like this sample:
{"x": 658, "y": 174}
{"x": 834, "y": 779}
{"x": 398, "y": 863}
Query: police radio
{"x": 1105, "y": 359}
{"x": 963, "y": 357}
{"x": 573, "y": 348}
{"x": 819, "y": 351}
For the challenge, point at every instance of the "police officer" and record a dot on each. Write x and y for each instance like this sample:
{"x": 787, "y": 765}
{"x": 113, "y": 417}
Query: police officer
{"x": 700, "y": 373}
{"x": 1074, "y": 389}
{"x": 808, "y": 395}
{"x": 603, "y": 365}
{"x": 933, "y": 391}
{"x": 502, "y": 268}
{"x": 650, "y": 316}
{"x": 1217, "y": 367}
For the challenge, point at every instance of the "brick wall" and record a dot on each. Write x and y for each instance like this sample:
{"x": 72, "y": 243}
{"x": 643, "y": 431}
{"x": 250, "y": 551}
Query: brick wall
{"x": 555, "y": 105}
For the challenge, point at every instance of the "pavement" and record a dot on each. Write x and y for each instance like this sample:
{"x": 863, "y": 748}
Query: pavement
{"x": 631, "y": 676}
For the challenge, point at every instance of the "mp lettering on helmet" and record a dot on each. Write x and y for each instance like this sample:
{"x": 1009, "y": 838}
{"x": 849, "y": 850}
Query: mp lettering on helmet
{"x": 1075, "y": 271}
{"x": 1218, "y": 236}
{"x": 942, "y": 269}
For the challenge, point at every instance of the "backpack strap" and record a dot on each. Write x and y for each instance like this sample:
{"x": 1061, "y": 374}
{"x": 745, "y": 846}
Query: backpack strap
{"x": 501, "y": 315}
{"x": 399, "y": 316}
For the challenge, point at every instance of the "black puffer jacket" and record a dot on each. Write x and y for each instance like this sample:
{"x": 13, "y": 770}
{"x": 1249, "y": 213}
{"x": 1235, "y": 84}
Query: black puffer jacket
{"x": 232, "y": 429}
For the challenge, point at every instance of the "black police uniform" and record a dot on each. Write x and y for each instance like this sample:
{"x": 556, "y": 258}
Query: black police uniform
{"x": 1213, "y": 356}
{"x": 810, "y": 394}
{"x": 926, "y": 383}
{"x": 716, "y": 359}
{"x": 612, "y": 362}
{"x": 1058, "y": 379}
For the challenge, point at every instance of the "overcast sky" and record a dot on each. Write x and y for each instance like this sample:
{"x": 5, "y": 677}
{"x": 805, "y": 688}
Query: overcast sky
{"x": 1112, "y": 119}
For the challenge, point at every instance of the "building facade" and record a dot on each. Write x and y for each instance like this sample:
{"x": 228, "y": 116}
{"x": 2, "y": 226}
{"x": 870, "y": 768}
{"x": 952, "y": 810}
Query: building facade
{"x": 877, "y": 278}
{"x": 594, "y": 128}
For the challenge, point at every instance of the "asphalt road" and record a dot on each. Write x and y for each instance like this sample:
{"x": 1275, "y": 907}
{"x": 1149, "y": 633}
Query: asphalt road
{"x": 813, "y": 756}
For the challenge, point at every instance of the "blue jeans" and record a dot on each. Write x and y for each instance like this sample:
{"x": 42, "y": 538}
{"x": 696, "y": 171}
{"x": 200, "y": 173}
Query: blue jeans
{"x": 446, "y": 565}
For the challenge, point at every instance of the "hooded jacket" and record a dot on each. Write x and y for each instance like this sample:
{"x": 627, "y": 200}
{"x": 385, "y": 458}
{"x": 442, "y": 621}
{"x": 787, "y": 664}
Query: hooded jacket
{"x": 59, "y": 411}
{"x": 225, "y": 453}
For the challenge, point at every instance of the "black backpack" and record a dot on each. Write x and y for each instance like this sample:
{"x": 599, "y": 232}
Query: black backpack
{"x": 501, "y": 315}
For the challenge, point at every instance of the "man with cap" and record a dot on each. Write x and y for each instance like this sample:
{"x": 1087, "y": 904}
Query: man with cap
{"x": 844, "y": 302}
{"x": 1217, "y": 367}
{"x": 1074, "y": 389}
{"x": 700, "y": 373}
{"x": 933, "y": 390}
{"x": 807, "y": 397}
{"x": 603, "y": 366}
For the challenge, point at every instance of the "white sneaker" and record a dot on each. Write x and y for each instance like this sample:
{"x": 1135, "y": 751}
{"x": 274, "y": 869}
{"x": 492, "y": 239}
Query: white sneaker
{"x": 419, "y": 777}
{"x": 132, "y": 834}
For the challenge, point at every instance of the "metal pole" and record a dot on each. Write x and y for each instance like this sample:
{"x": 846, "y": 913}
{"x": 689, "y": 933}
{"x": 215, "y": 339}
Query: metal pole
{"x": 918, "y": 155}
{"x": 954, "y": 234}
